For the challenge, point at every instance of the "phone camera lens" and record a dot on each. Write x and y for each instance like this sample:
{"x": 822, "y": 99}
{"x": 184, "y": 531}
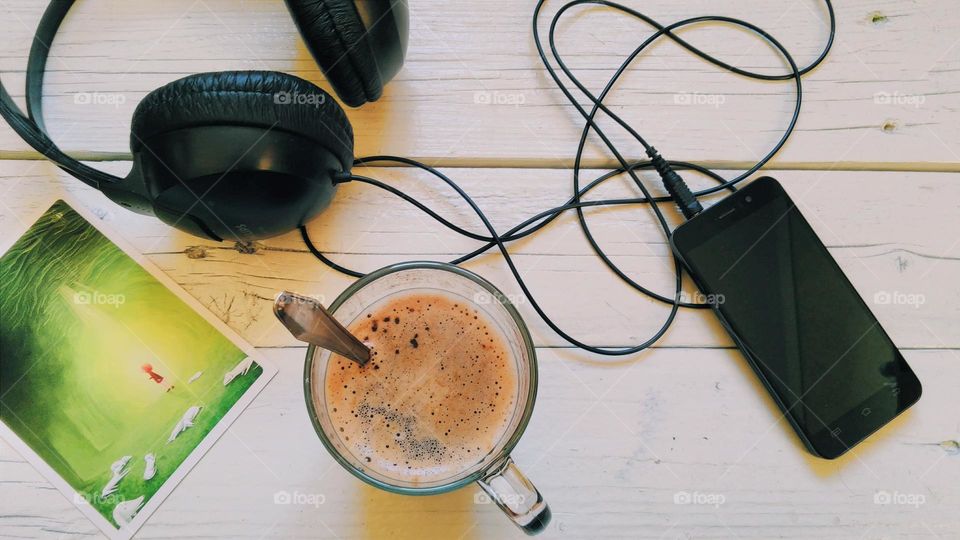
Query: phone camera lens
{"x": 748, "y": 199}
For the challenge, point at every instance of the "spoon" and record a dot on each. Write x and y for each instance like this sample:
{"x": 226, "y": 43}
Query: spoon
{"x": 311, "y": 323}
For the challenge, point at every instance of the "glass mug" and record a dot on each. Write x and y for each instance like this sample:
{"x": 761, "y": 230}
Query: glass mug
{"x": 495, "y": 471}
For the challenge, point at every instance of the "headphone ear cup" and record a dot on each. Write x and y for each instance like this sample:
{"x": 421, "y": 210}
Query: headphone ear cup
{"x": 264, "y": 99}
{"x": 240, "y": 155}
{"x": 358, "y": 57}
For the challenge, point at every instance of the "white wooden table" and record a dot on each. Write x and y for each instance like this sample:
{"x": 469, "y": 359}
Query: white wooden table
{"x": 611, "y": 443}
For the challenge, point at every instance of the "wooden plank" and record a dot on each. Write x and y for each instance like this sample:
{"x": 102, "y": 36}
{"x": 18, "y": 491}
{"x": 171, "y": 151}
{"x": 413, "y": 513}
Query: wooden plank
{"x": 610, "y": 447}
{"x": 891, "y": 232}
{"x": 473, "y": 93}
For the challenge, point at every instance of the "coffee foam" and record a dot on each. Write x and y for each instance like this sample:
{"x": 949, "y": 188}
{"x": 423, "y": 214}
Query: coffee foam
{"x": 437, "y": 395}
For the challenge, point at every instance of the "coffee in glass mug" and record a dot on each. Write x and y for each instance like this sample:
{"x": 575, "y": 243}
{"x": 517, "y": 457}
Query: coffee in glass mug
{"x": 437, "y": 393}
{"x": 446, "y": 395}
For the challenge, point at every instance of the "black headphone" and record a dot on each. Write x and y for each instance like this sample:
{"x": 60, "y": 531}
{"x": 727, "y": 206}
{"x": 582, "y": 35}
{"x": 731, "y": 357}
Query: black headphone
{"x": 200, "y": 123}
{"x": 239, "y": 155}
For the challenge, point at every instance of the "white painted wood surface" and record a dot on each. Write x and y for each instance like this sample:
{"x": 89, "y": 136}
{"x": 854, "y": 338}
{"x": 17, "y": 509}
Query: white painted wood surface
{"x": 609, "y": 447}
{"x": 464, "y": 54}
{"x": 892, "y": 242}
{"x": 612, "y": 442}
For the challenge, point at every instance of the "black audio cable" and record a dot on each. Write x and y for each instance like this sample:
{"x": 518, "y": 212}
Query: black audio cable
{"x": 680, "y": 194}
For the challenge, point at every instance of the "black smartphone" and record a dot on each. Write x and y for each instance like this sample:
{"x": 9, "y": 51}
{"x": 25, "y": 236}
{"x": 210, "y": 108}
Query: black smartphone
{"x": 802, "y": 326}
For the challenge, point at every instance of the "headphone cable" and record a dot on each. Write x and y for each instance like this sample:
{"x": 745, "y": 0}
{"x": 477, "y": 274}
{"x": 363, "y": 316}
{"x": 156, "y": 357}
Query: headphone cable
{"x": 679, "y": 192}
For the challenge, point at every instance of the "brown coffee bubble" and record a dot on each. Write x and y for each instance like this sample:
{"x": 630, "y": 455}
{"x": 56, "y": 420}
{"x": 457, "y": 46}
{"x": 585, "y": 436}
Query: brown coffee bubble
{"x": 437, "y": 401}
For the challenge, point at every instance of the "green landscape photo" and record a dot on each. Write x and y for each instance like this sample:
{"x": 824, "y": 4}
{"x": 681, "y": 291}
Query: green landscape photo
{"x": 105, "y": 373}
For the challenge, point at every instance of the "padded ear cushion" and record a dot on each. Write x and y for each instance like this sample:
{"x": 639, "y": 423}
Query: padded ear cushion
{"x": 337, "y": 39}
{"x": 265, "y": 99}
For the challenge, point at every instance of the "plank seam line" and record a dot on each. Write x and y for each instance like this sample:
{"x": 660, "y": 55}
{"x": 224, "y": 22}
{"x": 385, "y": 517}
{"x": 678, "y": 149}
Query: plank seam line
{"x": 588, "y": 164}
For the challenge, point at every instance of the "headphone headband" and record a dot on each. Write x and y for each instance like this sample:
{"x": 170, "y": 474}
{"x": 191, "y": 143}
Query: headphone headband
{"x": 235, "y": 154}
{"x": 39, "y": 53}
{"x": 30, "y": 126}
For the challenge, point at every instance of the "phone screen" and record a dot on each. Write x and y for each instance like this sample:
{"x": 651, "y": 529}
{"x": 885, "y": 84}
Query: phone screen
{"x": 819, "y": 349}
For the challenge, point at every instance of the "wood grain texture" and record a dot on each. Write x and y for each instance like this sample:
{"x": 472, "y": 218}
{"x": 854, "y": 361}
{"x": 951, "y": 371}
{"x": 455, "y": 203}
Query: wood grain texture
{"x": 473, "y": 92}
{"x": 891, "y": 243}
{"x": 609, "y": 447}
{"x": 613, "y": 444}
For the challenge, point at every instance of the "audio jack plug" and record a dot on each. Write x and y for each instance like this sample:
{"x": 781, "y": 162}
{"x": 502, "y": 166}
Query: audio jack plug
{"x": 675, "y": 185}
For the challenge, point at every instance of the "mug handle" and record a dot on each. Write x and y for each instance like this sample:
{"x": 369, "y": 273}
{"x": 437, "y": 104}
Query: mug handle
{"x": 516, "y": 496}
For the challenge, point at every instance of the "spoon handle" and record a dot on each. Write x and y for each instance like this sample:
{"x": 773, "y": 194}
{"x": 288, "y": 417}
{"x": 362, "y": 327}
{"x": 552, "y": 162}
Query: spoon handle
{"x": 310, "y": 322}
